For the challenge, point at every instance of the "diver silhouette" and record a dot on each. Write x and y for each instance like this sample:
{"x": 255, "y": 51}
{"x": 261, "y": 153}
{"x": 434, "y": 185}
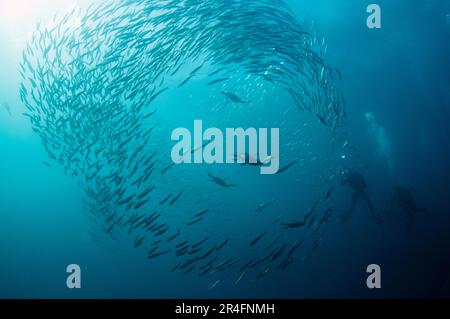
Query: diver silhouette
{"x": 404, "y": 200}
{"x": 358, "y": 185}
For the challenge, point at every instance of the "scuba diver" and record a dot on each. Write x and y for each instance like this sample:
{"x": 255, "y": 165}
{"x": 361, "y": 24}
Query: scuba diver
{"x": 358, "y": 184}
{"x": 404, "y": 200}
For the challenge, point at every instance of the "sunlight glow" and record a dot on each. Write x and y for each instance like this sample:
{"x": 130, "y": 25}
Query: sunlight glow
{"x": 18, "y": 18}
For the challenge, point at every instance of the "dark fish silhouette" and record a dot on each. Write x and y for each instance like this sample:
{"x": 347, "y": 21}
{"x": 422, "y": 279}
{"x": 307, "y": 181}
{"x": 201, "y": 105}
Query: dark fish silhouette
{"x": 285, "y": 168}
{"x": 263, "y": 206}
{"x": 167, "y": 168}
{"x": 186, "y": 80}
{"x": 293, "y": 224}
{"x": 217, "y": 81}
{"x": 254, "y": 241}
{"x": 328, "y": 194}
{"x": 233, "y": 97}
{"x": 138, "y": 241}
{"x": 223, "y": 244}
{"x": 311, "y": 221}
{"x": 154, "y": 255}
{"x": 201, "y": 213}
{"x": 165, "y": 199}
{"x": 175, "y": 198}
{"x": 173, "y": 236}
{"x": 7, "y": 108}
{"x": 200, "y": 242}
{"x": 220, "y": 181}
{"x": 194, "y": 221}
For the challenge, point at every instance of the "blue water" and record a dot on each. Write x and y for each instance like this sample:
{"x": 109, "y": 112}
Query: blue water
{"x": 399, "y": 73}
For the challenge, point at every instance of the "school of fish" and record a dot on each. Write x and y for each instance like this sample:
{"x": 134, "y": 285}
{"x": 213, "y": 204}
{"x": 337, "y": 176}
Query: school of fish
{"x": 89, "y": 82}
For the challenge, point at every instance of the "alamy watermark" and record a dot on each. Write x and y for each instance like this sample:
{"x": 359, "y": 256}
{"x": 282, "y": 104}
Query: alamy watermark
{"x": 73, "y": 281}
{"x": 236, "y": 145}
{"x": 374, "y": 18}
{"x": 374, "y": 279}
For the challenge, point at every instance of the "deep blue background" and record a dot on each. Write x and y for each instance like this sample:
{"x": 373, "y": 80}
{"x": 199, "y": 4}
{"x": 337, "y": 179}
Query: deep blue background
{"x": 399, "y": 73}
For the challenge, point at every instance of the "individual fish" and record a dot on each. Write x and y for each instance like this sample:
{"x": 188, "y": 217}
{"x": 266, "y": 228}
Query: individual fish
{"x": 294, "y": 247}
{"x": 201, "y": 213}
{"x": 217, "y": 71}
{"x": 193, "y": 251}
{"x": 165, "y": 199}
{"x": 182, "y": 244}
{"x": 263, "y": 206}
{"x": 140, "y": 204}
{"x": 278, "y": 253}
{"x": 345, "y": 145}
{"x": 185, "y": 81}
{"x": 200, "y": 242}
{"x": 175, "y": 267}
{"x": 156, "y": 242}
{"x": 301, "y": 223}
{"x": 130, "y": 219}
{"x": 188, "y": 263}
{"x": 154, "y": 255}
{"x": 125, "y": 201}
{"x": 142, "y": 222}
{"x": 312, "y": 209}
{"x": 209, "y": 263}
{"x": 138, "y": 241}
{"x": 233, "y": 97}
{"x": 257, "y": 239}
{"x": 274, "y": 242}
{"x": 250, "y": 160}
{"x": 285, "y": 168}
{"x": 338, "y": 73}
{"x": 311, "y": 222}
{"x": 220, "y": 181}
{"x": 214, "y": 284}
{"x": 294, "y": 224}
{"x": 194, "y": 72}
{"x": 137, "y": 219}
{"x": 261, "y": 274}
{"x": 194, "y": 221}
{"x": 161, "y": 231}
{"x": 208, "y": 253}
{"x": 167, "y": 168}
{"x": 317, "y": 243}
{"x": 285, "y": 263}
{"x": 157, "y": 94}
{"x": 238, "y": 280}
{"x": 181, "y": 252}
{"x": 173, "y": 236}
{"x": 7, "y": 108}
{"x": 322, "y": 120}
{"x": 327, "y": 214}
{"x": 189, "y": 270}
{"x": 328, "y": 194}
{"x": 225, "y": 265}
{"x": 206, "y": 270}
{"x": 216, "y": 81}
{"x": 145, "y": 193}
{"x": 176, "y": 198}
{"x": 223, "y": 244}
{"x": 198, "y": 147}
{"x": 152, "y": 218}
{"x": 148, "y": 115}
{"x": 246, "y": 266}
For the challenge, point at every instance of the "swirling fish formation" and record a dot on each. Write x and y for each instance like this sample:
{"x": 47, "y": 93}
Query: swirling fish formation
{"x": 89, "y": 82}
